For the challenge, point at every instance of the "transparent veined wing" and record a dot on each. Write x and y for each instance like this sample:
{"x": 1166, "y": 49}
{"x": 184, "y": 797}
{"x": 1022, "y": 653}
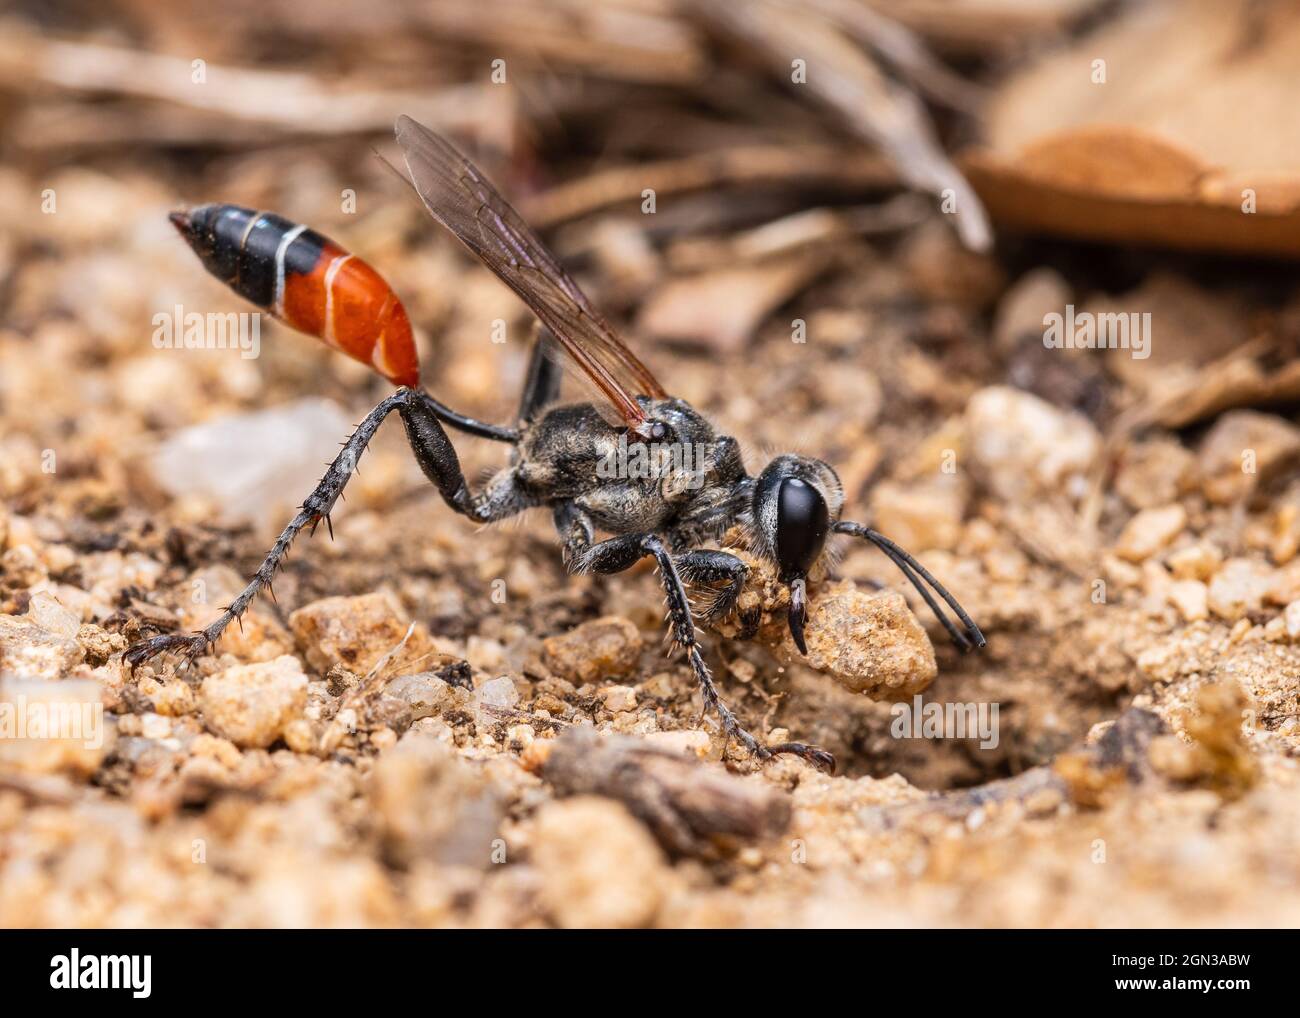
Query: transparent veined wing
{"x": 460, "y": 197}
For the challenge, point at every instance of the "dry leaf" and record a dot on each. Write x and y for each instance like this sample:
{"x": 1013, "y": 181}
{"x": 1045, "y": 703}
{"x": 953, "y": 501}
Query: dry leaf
{"x": 1150, "y": 154}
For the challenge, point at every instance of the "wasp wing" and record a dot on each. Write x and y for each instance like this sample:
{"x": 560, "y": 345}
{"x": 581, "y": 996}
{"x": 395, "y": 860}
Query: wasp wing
{"x": 460, "y": 197}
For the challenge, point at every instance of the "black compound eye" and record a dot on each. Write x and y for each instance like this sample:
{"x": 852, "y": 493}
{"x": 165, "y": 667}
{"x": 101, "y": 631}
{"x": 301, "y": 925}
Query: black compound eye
{"x": 802, "y": 521}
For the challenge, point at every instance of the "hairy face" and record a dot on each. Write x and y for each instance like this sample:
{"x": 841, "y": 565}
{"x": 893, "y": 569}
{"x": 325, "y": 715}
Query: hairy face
{"x": 796, "y": 502}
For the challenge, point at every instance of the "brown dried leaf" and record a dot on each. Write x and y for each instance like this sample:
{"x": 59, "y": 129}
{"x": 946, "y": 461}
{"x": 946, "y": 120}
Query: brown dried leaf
{"x": 1151, "y": 154}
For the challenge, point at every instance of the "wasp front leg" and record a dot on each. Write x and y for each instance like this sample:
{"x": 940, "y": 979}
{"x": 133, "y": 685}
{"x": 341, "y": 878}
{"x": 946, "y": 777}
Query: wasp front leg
{"x": 703, "y": 566}
{"x": 619, "y": 553}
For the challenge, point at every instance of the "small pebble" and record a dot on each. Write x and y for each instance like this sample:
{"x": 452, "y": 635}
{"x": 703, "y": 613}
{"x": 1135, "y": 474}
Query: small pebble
{"x": 1026, "y": 446}
{"x": 618, "y": 698}
{"x": 251, "y": 704}
{"x": 1191, "y": 598}
{"x": 692, "y": 742}
{"x": 599, "y": 867}
{"x": 1243, "y": 448}
{"x": 1291, "y": 617}
{"x": 248, "y": 466}
{"x": 45, "y": 610}
{"x": 1149, "y": 531}
{"x": 1196, "y": 562}
{"x": 1238, "y": 588}
{"x": 427, "y": 695}
{"x": 595, "y": 650}
{"x": 53, "y": 727}
{"x": 498, "y": 692}
{"x": 30, "y": 651}
{"x": 359, "y": 632}
{"x": 155, "y": 726}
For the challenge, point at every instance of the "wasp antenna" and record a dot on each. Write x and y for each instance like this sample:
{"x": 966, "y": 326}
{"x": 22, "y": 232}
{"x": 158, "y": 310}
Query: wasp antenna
{"x": 915, "y": 573}
{"x": 959, "y": 638}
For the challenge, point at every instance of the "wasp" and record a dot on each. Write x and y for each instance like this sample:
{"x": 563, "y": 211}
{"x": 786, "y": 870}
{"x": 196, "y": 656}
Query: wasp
{"x": 632, "y": 463}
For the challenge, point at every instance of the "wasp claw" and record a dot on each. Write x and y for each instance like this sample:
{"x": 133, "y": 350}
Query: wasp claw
{"x": 819, "y": 758}
{"x": 191, "y": 646}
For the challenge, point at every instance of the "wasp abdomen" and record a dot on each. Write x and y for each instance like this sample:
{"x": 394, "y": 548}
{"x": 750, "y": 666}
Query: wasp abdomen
{"x": 307, "y": 281}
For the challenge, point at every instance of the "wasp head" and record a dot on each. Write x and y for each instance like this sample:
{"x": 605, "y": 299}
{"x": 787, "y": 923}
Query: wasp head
{"x": 797, "y": 500}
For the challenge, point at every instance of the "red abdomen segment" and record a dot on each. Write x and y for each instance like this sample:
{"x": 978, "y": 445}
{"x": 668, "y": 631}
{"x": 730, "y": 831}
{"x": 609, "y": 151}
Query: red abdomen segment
{"x": 308, "y": 282}
{"x": 345, "y": 302}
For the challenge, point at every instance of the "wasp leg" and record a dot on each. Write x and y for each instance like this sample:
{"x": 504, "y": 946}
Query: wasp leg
{"x": 705, "y": 566}
{"x": 437, "y": 458}
{"x": 542, "y": 386}
{"x": 619, "y": 553}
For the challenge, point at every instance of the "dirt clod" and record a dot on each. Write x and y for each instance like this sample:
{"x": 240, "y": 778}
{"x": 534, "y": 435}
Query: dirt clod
{"x": 604, "y": 648}
{"x": 433, "y": 723}
{"x": 868, "y": 642}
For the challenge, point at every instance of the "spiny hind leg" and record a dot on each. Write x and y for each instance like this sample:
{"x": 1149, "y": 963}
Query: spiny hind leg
{"x": 619, "y": 553}
{"x": 437, "y": 458}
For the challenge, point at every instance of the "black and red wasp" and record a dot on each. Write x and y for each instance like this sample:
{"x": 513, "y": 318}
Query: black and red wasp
{"x": 690, "y": 485}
